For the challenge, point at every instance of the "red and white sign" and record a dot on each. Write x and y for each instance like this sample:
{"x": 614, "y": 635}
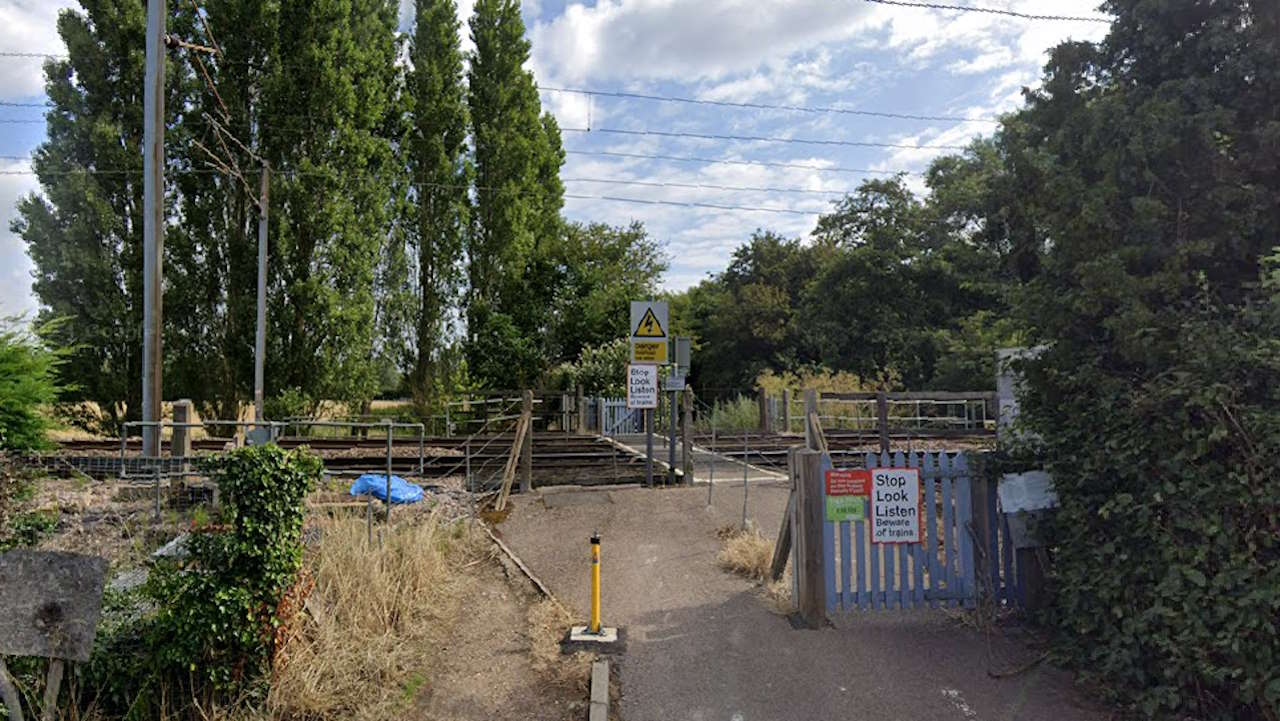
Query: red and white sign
{"x": 895, "y": 505}
{"x": 849, "y": 482}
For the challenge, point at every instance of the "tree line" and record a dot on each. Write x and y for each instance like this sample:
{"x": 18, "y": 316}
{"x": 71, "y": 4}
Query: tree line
{"x": 414, "y": 206}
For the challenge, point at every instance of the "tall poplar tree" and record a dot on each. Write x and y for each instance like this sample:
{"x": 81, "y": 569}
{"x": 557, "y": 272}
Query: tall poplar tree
{"x": 518, "y": 200}
{"x": 436, "y": 159}
{"x": 330, "y": 105}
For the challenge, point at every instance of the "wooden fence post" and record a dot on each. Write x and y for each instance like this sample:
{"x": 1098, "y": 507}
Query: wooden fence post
{"x": 810, "y": 410}
{"x": 580, "y": 405}
{"x": 980, "y": 490}
{"x": 882, "y": 419}
{"x": 762, "y": 398}
{"x": 811, "y": 601}
{"x": 526, "y": 451}
{"x": 786, "y": 410}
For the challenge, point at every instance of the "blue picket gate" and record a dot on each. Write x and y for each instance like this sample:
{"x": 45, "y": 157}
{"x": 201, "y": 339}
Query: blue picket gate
{"x": 939, "y": 571}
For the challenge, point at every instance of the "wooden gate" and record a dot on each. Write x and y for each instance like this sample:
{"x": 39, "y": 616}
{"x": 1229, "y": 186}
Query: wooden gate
{"x": 944, "y": 568}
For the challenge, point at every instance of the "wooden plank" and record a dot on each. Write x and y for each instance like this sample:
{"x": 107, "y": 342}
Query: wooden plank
{"x": 846, "y": 567}
{"x": 526, "y": 450}
{"x": 782, "y": 547}
{"x": 904, "y": 580}
{"x": 876, "y": 597}
{"x": 918, "y": 550}
{"x": 969, "y": 574}
{"x": 954, "y": 396}
{"x": 860, "y": 540}
{"x": 993, "y": 543}
{"x": 1013, "y": 589}
{"x": 948, "y": 525}
{"x": 509, "y": 471}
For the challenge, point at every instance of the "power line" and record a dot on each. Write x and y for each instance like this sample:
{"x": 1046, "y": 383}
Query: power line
{"x": 704, "y": 186}
{"x": 770, "y": 106}
{"x": 10, "y": 104}
{"x": 991, "y": 11}
{"x": 16, "y": 54}
{"x": 762, "y": 138}
{"x": 691, "y": 204}
{"x": 13, "y": 121}
{"x": 726, "y": 161}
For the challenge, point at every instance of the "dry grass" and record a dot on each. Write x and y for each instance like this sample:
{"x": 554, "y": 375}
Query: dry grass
{"x": 374, "y": 621}
{"x": 548, "y": 623}
{"x": 747, "y": 553}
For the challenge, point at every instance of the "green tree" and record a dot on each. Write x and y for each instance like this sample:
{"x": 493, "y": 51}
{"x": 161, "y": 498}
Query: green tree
{"x": 437, "y": 162}
{"x": 335, "y": 171}
{"x": 599, "y": 269}
{"x": 1157, "y": 199}
{"x": 518, "y": 192}
{"x": 84, "y": 230}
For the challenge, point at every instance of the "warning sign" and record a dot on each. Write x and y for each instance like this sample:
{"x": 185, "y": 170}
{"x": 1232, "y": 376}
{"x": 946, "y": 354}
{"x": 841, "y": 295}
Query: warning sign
{"x": 649, "y": 327}
{"x": 649, "y": 331}
{"x": 847, "y": 492}
{"x": 895, "y": 505}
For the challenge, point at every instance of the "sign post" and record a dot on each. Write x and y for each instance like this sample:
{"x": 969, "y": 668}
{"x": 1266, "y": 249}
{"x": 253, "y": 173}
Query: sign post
{"x": 642, "y": 394}
{"x": 649, "y": 348}
{"x": 895, "y": 505}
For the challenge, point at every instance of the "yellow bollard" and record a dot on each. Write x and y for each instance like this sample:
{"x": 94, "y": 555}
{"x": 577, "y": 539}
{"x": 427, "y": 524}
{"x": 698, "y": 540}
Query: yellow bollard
{"x": 595, "y": 583}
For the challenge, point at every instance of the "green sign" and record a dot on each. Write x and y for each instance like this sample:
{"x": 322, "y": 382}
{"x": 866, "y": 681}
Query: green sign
{"x": 846, "y": 508}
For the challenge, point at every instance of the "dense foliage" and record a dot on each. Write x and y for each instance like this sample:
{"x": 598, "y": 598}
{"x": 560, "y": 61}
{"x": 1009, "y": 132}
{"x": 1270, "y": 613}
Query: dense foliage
{"x": 209, "y": 619}
{"x": 28, "y": 385}
{"x": 1149, "y": 166}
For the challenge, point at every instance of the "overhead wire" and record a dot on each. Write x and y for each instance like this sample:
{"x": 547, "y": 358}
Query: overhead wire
{"x": 735, "y": 161}
{"x": 764, "y": 139}
{"x": 992, "y": 11}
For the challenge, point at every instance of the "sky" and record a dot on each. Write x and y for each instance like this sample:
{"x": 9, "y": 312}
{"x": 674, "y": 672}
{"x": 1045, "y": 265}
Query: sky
{"x": 848, "y": 55}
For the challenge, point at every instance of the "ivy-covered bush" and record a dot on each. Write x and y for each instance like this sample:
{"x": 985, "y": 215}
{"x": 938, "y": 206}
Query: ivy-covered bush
{"x": 207, "y": 620}
{"x": 1157, "y": 397}
{"x": 28, "y": 386}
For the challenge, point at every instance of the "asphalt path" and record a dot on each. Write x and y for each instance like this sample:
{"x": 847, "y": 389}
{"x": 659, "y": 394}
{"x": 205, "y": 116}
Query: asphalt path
{"x": 705, "y": 645}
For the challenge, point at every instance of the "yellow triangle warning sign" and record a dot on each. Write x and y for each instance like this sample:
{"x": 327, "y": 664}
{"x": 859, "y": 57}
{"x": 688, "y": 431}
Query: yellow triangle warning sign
{"x": 649, "y": 326}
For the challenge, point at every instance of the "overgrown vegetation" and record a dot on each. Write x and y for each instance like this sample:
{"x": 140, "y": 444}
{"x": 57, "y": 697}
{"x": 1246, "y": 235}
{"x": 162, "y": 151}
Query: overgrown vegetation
{"x": 746, "y": 552}
{"x": 209, "y": 621}
{"x": 1146, "y": 165}
{"x": 376, "y": 619}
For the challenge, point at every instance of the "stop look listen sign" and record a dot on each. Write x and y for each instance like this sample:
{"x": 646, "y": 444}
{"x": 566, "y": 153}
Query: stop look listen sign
{"x": 895, "y": 505}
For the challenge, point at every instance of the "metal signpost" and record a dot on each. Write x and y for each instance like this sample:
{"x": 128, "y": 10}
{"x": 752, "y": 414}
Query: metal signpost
{"x": 648, "y": 334}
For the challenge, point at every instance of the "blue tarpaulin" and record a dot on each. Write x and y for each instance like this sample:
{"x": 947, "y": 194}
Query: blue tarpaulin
{"x": 375, "y": 484}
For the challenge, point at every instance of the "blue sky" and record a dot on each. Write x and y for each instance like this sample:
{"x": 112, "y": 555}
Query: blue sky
{"x": 832, "y": 53}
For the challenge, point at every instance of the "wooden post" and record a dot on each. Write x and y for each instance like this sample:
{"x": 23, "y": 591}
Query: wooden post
{"x": 526, "y": 451}
{"x": 9, "y": 693}
{"x": 1031, "y": 578}
{"x": 810, "y": 411}
{"x": 882, "y": 416}
{"x": 980, "y": 490}
{"x": 811, "y": 603}
{"x": 763, "y": 399}
{"x": 786, "y": 410}
{"x": 782, "y": 547}
{"x": 580, "y": 406}
{"x": 686, "y": 435}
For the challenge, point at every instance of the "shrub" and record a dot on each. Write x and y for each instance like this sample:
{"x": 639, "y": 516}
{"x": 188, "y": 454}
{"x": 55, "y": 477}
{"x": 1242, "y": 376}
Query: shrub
{"x": 211, "y": 635}
{"x": 28, "y": 385}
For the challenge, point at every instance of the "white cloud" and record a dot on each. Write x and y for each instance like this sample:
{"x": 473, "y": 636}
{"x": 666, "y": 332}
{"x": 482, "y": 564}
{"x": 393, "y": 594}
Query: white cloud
{"x": 15, "y": 266}
{"x": 28, "y": 26}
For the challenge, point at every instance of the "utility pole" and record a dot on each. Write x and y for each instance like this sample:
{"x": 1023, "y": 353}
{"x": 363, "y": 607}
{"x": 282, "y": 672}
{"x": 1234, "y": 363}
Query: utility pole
{"x": 153, "y": 227}
{"x": 260, "y": 338}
